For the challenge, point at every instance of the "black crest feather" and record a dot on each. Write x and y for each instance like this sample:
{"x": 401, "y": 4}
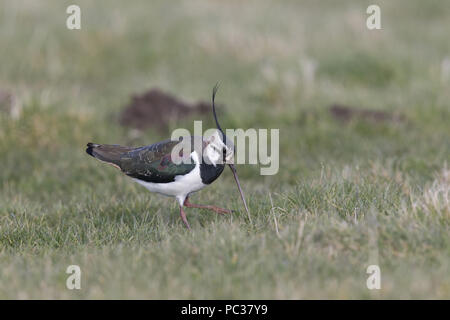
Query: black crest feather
{"x": 215, "y": 89}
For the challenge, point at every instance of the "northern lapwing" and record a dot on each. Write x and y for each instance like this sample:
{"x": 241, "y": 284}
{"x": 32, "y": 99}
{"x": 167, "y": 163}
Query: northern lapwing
{"x": 152, "y": 166}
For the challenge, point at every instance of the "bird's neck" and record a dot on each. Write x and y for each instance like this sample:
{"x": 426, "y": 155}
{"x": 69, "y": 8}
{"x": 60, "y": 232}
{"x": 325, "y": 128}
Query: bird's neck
{"x": 209, "y": 172}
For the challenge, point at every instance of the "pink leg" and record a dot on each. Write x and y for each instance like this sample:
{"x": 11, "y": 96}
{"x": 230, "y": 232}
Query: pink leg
{"x": 183, "y": 217}
{"x": 213, "y": 208}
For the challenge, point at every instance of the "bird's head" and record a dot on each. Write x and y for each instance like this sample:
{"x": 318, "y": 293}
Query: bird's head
{"x": 218, "y": 151}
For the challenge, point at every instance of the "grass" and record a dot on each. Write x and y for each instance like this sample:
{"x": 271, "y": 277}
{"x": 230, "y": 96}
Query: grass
{"x": 347, "y": 195}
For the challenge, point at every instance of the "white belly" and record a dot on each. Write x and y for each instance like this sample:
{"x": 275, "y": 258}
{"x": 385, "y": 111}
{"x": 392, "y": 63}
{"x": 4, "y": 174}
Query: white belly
{"x": 182, "y": 186}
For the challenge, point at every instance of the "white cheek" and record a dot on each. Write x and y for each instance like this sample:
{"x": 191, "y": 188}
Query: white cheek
{"x": 212, "y": 155}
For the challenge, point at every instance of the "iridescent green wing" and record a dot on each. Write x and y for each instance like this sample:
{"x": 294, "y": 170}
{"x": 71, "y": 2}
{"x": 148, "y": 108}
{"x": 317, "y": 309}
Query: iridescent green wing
{"x": 154, "y": 163}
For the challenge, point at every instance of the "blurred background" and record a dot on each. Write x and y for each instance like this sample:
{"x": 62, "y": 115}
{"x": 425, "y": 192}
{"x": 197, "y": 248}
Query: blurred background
{"x": 364, "y": 125}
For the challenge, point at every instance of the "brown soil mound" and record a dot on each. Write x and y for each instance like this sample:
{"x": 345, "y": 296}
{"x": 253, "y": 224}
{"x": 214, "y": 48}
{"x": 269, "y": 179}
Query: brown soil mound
{"x": 346, "y": 113}
{"x": 156, "y": 109}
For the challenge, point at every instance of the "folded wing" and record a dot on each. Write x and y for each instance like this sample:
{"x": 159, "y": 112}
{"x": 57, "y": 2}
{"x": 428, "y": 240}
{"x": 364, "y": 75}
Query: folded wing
{"x": 151, "y": 163}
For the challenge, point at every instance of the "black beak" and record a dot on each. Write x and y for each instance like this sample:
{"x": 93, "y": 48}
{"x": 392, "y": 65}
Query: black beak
{"x": 224, "y": 138}
{"x": 233, "y": 169}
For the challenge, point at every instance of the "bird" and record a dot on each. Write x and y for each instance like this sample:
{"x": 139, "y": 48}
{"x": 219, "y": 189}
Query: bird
{"x": 155, "y": 167}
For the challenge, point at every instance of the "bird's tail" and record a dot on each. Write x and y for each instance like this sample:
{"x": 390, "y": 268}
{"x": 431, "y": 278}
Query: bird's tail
{"x": 109, "y": 153}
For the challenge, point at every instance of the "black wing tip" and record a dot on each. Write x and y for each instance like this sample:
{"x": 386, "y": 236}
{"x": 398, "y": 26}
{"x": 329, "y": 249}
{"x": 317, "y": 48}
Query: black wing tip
{"x": 90, "y": 148}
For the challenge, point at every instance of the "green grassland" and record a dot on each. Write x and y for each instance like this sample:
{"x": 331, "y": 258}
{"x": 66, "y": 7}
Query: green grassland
{"x": 347, "y": 195}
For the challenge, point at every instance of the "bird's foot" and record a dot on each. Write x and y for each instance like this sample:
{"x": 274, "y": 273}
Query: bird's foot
{"x": 220, "y": 210}
{"x": 209, "y": 207}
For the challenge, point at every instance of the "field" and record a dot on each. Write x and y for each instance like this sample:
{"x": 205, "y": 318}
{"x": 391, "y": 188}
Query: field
{"x": 348, "y": 194}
